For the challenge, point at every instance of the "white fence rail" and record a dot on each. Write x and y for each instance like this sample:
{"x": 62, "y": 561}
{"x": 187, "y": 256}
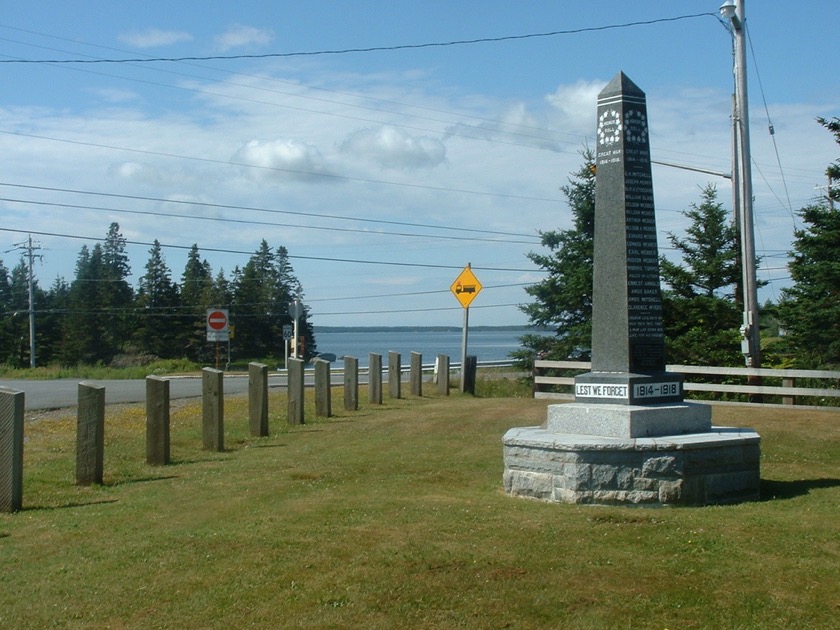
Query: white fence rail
{"x": 755, "y": 385}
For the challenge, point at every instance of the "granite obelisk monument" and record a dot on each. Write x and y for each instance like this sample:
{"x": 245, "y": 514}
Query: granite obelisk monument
{"x": 629, "y": 437}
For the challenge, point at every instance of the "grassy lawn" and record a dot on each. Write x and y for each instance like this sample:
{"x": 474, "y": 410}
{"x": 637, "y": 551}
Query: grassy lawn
{"x": 393, "y": 516}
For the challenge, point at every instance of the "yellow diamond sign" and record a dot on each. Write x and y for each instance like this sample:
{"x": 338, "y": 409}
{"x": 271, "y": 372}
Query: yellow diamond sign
{"x": 466, "y": 287}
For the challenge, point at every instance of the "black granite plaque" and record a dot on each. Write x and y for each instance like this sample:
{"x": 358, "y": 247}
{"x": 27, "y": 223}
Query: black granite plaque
{"x": 627, "y": 334}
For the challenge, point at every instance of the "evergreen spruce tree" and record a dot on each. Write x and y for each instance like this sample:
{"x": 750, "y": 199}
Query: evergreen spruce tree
{"x": 7, "y": 318}
{"x": 19, "y": 309}
{"x": 115, "y": 297}
{"x": 196, "y": 299}
{"x": 700, "y": 314}
{"x": 157, "y": 331}
{"x": 810, "y": 309}
{"x": 563, "y": 299}
{"x": 82, "y": 324}
{"x": 50, "y": 330}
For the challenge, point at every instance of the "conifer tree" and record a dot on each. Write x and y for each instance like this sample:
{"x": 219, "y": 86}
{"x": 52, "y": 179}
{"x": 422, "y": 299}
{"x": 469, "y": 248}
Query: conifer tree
{"x": 810, "y": 309}
{"x": 700, "y": 314}
{"x": 563, "y": 299}
{"x": 157, "y": 329}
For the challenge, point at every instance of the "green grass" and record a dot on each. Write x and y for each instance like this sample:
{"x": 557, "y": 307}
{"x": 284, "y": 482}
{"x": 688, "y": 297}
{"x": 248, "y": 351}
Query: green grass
{"x": 393, "y": 516}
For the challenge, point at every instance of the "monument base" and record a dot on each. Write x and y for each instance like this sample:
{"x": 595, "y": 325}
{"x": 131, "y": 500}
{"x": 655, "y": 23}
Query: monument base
{"x": 629, "y": 421}
{"x": 714, "y": 466}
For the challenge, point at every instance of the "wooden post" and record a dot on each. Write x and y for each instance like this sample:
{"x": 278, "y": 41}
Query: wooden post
{"x": 443, "y": 374}
{"x": 90, "y": 434}
{"x": 323, "y": 389}
{"x": 295, "y": 390}
{"x": 11, "y": 449}
{"x": 213, "y": 409}
{"x": 468, "y": 374}
{"x": 789, "y": 382}
{"x": 416, "y": 374}
{"x": 351, "y": 383}
{"x": 157, "y": 421}
{"x": 375, "y": 379}
{"x": 394, "y": 374}
{"x": 258, "y": 399}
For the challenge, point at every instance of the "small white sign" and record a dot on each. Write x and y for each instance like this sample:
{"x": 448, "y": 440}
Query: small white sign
{"x": 601, "y": 390}
{"x": 656, "y": 390}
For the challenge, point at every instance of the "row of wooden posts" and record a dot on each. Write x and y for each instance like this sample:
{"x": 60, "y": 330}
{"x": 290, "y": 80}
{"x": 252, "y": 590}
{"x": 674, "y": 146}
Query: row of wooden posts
{"x": 90, "y": 427}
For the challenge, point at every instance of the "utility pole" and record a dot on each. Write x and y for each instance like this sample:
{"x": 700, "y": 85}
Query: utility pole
{"x": 733, "y": 12}
{"x": 30, "y": 248}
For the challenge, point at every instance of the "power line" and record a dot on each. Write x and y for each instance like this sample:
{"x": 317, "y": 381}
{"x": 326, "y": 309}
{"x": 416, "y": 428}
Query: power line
{"x": 344, "y": 51}
{"x": 266, "y": 223}
{"x": 265, "y": 210}
{"x": 297, "y": 257}
{"x": 314, "y": 175}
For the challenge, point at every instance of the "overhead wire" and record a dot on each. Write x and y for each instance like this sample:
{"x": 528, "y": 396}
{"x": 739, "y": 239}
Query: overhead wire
{"x": 344, "y": 51}
{"x": 313, "y": 174}
{"x": 319, "y": 215}
{"x": 290, "y": 256}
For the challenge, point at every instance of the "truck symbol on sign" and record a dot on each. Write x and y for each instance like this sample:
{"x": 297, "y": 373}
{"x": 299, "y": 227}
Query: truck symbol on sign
{"x": 459, "y": 288}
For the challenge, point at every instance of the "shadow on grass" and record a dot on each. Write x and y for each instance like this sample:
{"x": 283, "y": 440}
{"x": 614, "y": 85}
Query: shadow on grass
{"x": 64, "y": 506}
{"x": 133, "y": 480}
{"x": 774, "y": 490}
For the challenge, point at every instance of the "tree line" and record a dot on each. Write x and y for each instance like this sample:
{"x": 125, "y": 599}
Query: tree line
{"x": 701, "y": 297}
{"x": 99, "y": 318}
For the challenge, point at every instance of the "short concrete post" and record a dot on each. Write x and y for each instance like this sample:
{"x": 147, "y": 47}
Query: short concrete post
{"x": 375, "y": 378}
{"x": 394, "y": 374}
{"x": 213, "y": 409}
{"x": 90, "y": 434}
{"x": 323, "y": 389}
{"x": 295, "y": 389}
{"x": 157, "y": 421}
{"x": 351, "y": 383}
{"x": 258, "y": 399}
{"x": 443, "y": 374}
{"x": 11, "y": 449}
{"x": 416, "y": 374}
{"x": 468, "y": 374}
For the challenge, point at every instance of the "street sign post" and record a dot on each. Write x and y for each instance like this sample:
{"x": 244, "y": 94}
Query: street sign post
{"x": 465, "y": 288}
{"x": 288, "y": 330}
{"x": 296, "y": 311}
{"x": 218, "y": 328}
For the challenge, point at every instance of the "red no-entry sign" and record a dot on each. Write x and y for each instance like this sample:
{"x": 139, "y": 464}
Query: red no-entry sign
{"x": 217, "y": 324}
{"x": 217, "y": 320}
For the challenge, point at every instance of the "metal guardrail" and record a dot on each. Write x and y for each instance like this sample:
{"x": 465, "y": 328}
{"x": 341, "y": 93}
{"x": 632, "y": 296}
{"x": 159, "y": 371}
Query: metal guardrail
{"x": 788, "y": 390}
{"x": 404, "y": 369}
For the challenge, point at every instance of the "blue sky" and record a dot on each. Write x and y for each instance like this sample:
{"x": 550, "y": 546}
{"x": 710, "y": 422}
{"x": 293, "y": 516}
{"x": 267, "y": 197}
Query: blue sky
{"x": 385, "y": 172}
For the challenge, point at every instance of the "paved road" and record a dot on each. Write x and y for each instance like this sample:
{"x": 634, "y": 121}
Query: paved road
{"x": 61, "y": 393}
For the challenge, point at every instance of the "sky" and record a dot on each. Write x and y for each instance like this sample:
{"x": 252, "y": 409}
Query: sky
{"x": 384, "y": 172}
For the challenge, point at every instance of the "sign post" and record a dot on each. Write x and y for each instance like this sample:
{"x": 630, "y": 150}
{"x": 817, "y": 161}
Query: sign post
{"x": 287, "y": 335}
{"x": 465, "y": 288}
{"x": 295, "y": 310}
{"x": 218, "y": 328}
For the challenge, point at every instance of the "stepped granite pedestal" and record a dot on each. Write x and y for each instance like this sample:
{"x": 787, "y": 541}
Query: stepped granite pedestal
{"x": 717, "y": 465}
{"x": 629, "y": 437}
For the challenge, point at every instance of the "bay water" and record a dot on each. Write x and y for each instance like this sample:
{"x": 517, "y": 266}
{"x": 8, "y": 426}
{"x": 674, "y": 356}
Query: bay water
{"x": 487, "y": 344}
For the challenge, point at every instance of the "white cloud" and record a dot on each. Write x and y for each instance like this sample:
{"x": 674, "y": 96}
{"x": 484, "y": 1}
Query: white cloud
{"x": 282, "y": 159}
{"x": 154, "y": 38}
{"x": 239, "y": 36}
{"x": 573, "y": 105}
{"x": 390, "y": 147}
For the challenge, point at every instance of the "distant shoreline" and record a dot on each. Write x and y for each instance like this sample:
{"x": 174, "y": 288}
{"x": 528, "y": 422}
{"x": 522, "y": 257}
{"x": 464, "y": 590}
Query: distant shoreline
{"x": 368, "y": 329}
